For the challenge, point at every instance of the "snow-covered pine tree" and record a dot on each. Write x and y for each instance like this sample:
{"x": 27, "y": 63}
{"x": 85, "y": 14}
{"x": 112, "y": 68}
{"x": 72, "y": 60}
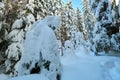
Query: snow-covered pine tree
{"x": 79, "y": 20}
{"x": 43, "y": 8}
{"x": 114, "y": 8}
{"x": 100, "y": 44}
{"x": 26, "y": 14}
{"x": 106, "y": 14}
{"x": 68, "y": 21}
{"x": 89, "y": 19}
{"x": 100, "y": 39}
{"x": 4, "y": 31}
{"x": 16, "y": 36}
{"x": 16, "y": 40}
{"x": 114, "y": 29}
{"x": 4, "y": 27}
{"x": 73, "y": 29}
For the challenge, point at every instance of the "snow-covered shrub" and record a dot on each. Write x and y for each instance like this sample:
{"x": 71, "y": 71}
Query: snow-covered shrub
{"x": 68, "y": 47}
{"x": 40, "y": 54}
{"x": 75, "y": 41}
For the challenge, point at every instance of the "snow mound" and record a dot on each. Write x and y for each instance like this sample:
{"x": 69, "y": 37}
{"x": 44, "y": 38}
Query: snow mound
{"x": 41, "y": 50}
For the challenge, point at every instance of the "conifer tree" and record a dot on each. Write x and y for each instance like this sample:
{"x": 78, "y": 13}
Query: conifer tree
{"x": 106, "y": 14}
{"x": 79, "y": 20}
{"x": 27, "y": 12}
{"x": 89, "y": 19}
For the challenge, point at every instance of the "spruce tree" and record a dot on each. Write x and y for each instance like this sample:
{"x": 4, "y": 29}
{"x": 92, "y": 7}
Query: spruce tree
{"x": 25, "y": 15}
{"x": 106, "y": 26}
{"x": 89, "y": 19}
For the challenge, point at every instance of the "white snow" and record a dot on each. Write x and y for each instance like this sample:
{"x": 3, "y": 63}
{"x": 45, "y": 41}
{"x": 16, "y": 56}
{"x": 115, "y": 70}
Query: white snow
{"x": 115, "y": 71}
{"x": 90, "y": 68}
{"x": 53, "y": 22}
{"x": 40, "y": 46}
{"x": 29, "y": 20}
{"x": 30, "y": 77}
{"x": 2, "y": 5}
{"x": 3, "y": 77}
{"x": 82, "y": 67}
{"x": 17, "y": 24}
{"x": 30, "y": 6}
{"x": 16, "y": 35}
{"x": 117, "y": 2}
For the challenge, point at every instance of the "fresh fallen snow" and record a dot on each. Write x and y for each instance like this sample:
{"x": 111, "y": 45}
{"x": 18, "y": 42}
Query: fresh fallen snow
{"x": 30, "y": 77}
{"x": 90, "y": 67}
{"x": 25, "y": 77}
{"x": 78, "y": 67}
{"x": 82, "y": 66}
{"x": 3, "y": 77}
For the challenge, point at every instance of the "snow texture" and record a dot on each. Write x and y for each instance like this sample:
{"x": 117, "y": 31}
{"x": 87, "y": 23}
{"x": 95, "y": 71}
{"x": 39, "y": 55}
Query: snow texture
{"x": 30, "y": 6}
{"x": 41, "y": 47}
{"x": 30, "y": 77}
{"x": 81, "y": 66}
{"x": 17, "y": 24}
{"x": 3, "y": 77}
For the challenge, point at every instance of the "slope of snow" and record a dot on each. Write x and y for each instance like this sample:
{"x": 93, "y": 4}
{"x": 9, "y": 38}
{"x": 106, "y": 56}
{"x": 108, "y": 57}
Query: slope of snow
{"x": 90, "y": 67}
{"x": 30, "y": 77}
{"x": 3, "y": 77}
{"x": 82, "y": 67}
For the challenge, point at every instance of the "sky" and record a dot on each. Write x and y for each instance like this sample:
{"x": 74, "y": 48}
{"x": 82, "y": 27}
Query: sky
{"x": 75, "y": 3}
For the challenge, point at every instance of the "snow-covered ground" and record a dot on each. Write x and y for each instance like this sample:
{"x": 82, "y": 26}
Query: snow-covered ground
{"x": 83, "y": 66}
{"x": 30, "y": 77}
{"x": 86, "y": 67}
{"x": 90, "y": 68}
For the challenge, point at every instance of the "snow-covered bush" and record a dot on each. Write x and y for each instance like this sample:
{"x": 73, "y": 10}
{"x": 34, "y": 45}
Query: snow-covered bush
{"x": 75, "y": 41}
{"x": 40, "y": 54}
